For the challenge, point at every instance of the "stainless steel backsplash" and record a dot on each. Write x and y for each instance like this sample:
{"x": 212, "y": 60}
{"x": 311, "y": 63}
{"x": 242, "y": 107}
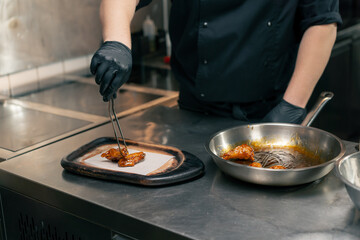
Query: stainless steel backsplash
{"x": 38, "y": 32}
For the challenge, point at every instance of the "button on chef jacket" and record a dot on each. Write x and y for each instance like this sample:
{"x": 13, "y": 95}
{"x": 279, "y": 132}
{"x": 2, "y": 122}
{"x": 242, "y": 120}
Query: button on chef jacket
{"x": 239, "y": 51}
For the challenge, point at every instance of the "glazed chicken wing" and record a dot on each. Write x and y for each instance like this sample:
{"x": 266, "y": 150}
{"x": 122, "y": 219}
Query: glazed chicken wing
{"x": 124, "y": 159}
{"x": 243, "y": 151}
{"x": 131, "y": 159}
{"x": 114, "y": 155}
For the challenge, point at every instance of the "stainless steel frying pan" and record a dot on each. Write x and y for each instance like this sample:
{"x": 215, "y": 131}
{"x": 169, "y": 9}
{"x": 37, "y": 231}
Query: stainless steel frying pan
{"x": 321, "y": 143}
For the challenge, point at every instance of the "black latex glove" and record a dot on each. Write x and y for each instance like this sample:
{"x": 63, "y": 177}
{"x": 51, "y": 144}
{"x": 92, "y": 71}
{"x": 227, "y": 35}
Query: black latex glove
{"x": 111, "y": 65}
{"x": 285, "y": 112}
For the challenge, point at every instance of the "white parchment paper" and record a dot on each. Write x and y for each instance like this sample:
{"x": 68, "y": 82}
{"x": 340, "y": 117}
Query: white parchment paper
{"x": 151, "y": 162}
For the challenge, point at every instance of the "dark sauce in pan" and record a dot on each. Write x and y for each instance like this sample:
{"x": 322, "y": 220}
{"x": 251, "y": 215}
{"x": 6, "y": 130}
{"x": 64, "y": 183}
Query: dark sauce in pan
{"x": 289, "y": 157}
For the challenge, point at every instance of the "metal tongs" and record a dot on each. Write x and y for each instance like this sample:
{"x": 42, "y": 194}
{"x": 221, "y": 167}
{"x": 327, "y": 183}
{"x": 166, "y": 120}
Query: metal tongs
{"x": 112, "y": 115}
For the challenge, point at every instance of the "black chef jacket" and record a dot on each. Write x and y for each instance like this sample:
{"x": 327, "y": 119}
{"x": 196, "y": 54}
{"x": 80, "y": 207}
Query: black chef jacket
{"x": 236, "y": 57}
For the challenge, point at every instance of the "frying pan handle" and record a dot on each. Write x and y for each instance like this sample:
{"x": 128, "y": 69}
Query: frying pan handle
{"x": 322, "y": 100}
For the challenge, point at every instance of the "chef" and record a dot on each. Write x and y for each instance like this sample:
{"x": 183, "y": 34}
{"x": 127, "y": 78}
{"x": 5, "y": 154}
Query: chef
{"x": 252, "y": 60}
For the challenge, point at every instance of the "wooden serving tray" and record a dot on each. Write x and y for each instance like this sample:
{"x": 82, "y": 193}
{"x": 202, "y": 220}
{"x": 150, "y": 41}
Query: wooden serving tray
{"x": 162, "y": 165}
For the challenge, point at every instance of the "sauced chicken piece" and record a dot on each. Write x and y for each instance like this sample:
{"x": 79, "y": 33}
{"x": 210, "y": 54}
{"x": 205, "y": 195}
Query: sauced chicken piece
{"x": 131, "y": 159}
{"x": 243, "y": 151}
{"x": 124, "y": 159}
{"x": 114, "y": 155}
{"x": 255, "y": 164}
{"x": 277, "y": 167}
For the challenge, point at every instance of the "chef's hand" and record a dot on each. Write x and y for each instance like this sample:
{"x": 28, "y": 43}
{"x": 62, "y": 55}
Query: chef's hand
{"x": 111, "y": 65}
{"x": 285, "y": 112}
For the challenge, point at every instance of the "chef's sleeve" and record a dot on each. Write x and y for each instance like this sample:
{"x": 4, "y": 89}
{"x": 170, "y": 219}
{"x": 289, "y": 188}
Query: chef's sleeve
{"x": 317, "y": 12}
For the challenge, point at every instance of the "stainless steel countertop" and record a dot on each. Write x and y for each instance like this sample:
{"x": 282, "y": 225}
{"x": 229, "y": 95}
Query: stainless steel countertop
{"x": 71, "y": 104}
{"x": 214, "y": 206}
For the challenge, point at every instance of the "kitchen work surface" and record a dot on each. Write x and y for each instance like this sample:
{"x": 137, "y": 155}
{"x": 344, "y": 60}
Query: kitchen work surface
{"x": 212, "y": 206}
{"x": 60, "y": 109}
{"x": 84, "y": 97}
{"x": 23, "y": 127}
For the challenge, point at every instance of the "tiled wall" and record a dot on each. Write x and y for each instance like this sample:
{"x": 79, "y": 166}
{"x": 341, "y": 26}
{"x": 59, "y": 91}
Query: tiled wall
{"x": 52, "y": 40}
{"x": 33, "y": 79}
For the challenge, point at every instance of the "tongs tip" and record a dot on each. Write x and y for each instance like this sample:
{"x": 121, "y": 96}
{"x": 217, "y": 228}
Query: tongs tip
{"x": 112, "y": 115}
